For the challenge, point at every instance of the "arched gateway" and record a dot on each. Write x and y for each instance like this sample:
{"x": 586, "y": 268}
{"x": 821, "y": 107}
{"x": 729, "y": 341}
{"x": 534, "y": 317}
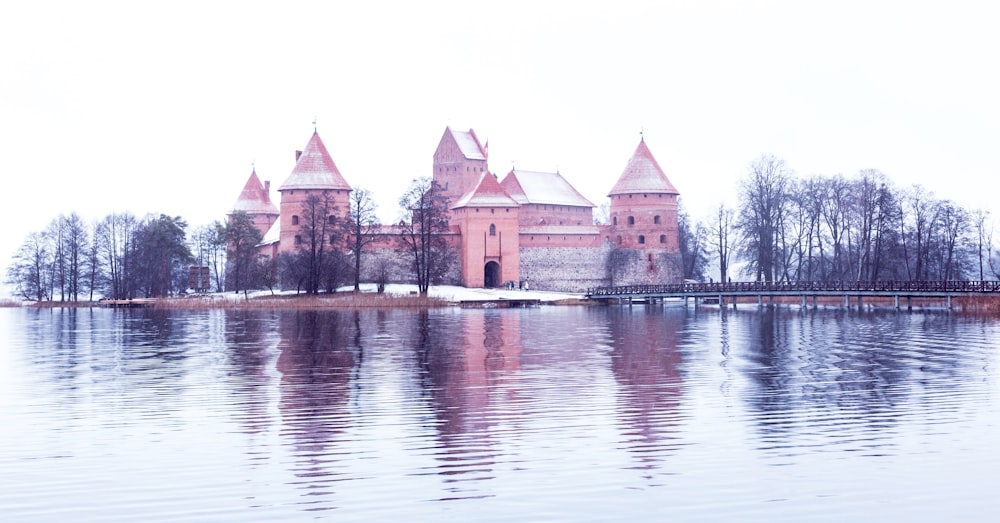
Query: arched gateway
{"x": 491, "y": 275}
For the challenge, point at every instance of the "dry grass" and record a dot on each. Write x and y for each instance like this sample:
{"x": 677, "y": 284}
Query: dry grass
{"x": 341, "y": 300}
{"x": 980, "y": 304}
{"x": 10, "y": 303}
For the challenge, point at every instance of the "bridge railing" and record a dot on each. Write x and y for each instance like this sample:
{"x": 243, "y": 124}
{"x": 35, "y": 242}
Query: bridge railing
{"x": 887, "y": 286}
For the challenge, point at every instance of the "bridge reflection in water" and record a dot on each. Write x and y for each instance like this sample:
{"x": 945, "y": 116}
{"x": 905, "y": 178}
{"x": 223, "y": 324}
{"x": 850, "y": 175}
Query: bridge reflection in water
{"x": 936, "y": 291}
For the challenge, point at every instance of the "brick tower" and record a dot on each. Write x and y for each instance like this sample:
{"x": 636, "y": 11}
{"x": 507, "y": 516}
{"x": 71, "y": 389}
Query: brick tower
{"x": 459, "y": 163}
{"x": 255, "y": 200}
{"x": 488, "y": 219}
{"x": 644, "y": 224}
{"x": 314, "y": 174}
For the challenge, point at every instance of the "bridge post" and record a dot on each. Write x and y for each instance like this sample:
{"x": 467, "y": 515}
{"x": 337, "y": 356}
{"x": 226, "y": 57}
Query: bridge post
{"x": 760, "y": 301}
{"x": 860, "y": 304}
{"x": 803, "y": 301}
{"x": 815, "y": 301}
{"x": 896, "y": 301}
{"x": 949, "y": 302}
{"x": 847, "y": 301}
{"x": 909, "y": 303}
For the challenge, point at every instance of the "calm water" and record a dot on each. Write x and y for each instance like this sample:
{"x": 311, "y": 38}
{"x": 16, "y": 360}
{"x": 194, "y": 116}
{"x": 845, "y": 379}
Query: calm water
{"x": 547, "y": 414}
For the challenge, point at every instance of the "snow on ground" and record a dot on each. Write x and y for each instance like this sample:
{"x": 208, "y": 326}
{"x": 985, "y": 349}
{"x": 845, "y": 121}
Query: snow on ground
{"x": 450, "y": 293}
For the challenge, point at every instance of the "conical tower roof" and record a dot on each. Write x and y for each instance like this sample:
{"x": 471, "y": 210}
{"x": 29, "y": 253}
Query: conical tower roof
{"x": 488, "y": 193}
{"x": 314, "y": 169}
{"x": 643, "y": 175}
{"x": 255, "y": 198}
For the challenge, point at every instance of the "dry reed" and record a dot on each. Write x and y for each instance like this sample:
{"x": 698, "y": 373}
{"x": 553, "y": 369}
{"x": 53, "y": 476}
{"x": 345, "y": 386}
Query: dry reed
{"x": 343, "y": 300}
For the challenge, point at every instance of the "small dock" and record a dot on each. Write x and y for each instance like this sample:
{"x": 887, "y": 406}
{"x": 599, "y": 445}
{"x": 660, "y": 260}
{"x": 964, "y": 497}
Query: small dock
{"x": 137, "y": 303}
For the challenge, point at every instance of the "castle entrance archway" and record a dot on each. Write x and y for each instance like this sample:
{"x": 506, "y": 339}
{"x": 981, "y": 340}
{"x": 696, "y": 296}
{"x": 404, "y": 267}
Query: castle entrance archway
{"x": 491, "y": 275}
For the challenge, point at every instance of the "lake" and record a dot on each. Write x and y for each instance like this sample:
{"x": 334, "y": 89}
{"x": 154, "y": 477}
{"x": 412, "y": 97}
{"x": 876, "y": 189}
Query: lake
{"x": 544, "y": 414}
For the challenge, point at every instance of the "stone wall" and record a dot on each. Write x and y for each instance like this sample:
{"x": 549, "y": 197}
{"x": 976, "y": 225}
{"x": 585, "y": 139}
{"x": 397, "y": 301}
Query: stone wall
{"x": 641, "y": 267}
{"x": 568, "y": 269}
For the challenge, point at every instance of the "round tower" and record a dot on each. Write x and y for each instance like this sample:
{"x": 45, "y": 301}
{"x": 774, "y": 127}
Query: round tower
{"x": 644, "y": 224}
{"x": 314, "y": 174}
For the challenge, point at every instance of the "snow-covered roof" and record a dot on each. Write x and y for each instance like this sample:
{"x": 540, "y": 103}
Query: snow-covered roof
{"x": 487, "y": 193}
{"x": 255, "y": 198}
{"x": 643, "y": 175}
{"x": 469, "y": 144}
{"x": 315, "y": 169}
{"x": 272, "y": 235}
{"x": 533, "y": 187}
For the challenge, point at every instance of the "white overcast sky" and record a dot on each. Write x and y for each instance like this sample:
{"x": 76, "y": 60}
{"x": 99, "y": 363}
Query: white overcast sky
{"x": 163, "y": 107}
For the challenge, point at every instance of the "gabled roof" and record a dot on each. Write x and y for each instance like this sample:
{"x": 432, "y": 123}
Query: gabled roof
{"x": 468, "y": 143}
{"x": 255, "y": 198}
{"x": 643, "y": 175}
{"x": 533, "y": 187}
{"x": 314, "y": 169}
{"x": 487, "y": 193}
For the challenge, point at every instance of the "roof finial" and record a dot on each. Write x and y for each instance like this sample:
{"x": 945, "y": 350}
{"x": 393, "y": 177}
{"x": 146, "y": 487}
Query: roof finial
{"x": 641, "y": 137}
{"x": 253, "y": 165}
{"x": 314, "y": 124}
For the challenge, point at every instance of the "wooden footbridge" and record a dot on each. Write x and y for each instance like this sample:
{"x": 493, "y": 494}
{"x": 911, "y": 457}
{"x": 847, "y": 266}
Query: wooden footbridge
{"x": 723, "y": 293}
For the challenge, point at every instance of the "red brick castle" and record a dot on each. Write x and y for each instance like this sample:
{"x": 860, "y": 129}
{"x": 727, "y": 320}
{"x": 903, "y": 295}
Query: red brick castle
{"x": 530, "y": 227}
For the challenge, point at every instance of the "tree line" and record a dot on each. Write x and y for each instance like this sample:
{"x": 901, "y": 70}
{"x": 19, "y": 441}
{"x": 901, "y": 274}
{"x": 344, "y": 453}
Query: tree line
{"x": 786, "y": 228}
{"x": 840, "y": 228}
{"x": 123, "y": 256}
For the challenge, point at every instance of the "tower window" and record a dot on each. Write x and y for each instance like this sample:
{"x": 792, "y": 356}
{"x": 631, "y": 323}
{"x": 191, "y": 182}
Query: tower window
{"x": 663, "y": 238}
{"x": 493, "y": 230}
{"x": 331, "y": 219}
{"x": 631, "y": 220}
{"x": 642, "y": 239}
{"x": 295, "y": 220}
{"x": 614, "y": 221}
{"x": 656, "y": 220}
{"x": 298, "y": 239}
{"x": 619, "y": 239}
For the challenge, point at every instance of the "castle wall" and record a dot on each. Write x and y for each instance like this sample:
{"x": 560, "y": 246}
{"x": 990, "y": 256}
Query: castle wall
{"x": 643, "y": 267}
{"x": 566, "y": 269}
{"x": 540, "y": 214}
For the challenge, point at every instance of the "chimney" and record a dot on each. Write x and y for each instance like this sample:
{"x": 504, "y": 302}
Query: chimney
{"x": 297, "y": 155}
{"x": 267, "y": 190}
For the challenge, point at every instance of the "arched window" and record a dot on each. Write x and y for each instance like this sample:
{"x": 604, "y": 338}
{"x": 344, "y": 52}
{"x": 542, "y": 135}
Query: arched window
{"x": 631, "y": 220}
{"x": 656, "y": 220}
{"x": 493, "y": 230}
{"x": 663, "y": 238}
{"x": 295, "y": 220}
{"x": 614, "y": 221}
{"x": 642, "y": 239}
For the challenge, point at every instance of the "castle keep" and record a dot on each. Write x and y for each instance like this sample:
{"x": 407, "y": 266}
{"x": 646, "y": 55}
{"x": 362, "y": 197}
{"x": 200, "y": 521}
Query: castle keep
{"x": 530, "y": 227}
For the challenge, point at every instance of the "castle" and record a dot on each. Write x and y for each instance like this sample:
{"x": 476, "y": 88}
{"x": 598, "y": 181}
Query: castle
{"x": 531, "y": 227}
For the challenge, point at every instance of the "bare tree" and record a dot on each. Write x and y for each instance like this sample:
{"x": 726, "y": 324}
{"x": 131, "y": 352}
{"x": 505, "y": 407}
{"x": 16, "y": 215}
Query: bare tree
{"x": 692, "y": 243}
{"x": 115, "y": 237}
{"x": 764, "y": 198}
{"x": 983, "y": 240}
{"x": 362, "y": 226}
{"x": 722, "y": 229}
{"x": 29, "y": 274}
{"x": 315, "y": 265}
{"x": 423, "y": 227}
